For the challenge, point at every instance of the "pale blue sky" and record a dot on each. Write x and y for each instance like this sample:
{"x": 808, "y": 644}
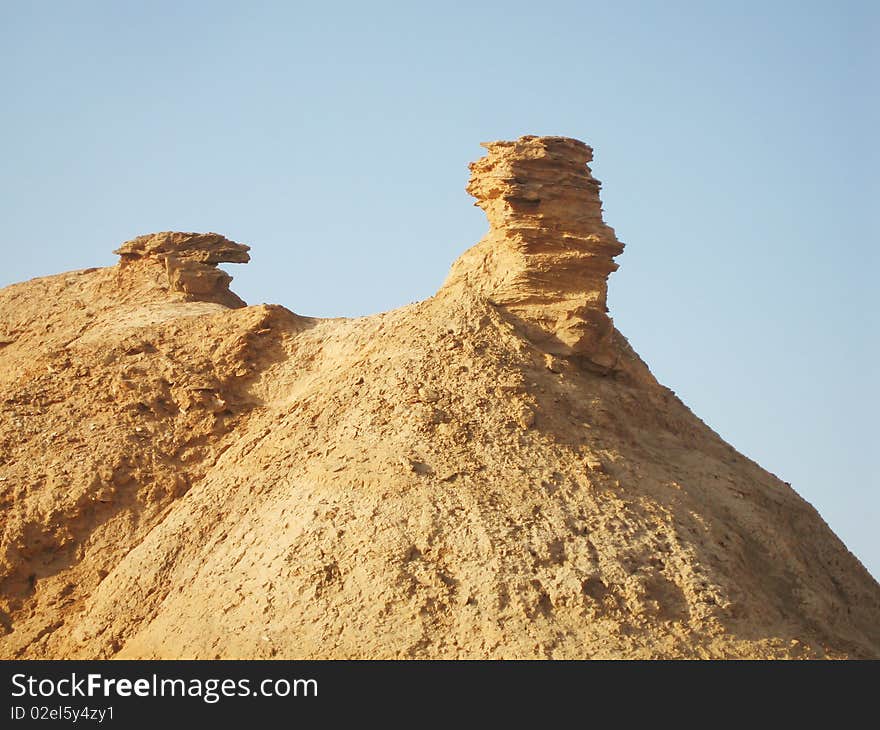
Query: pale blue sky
{"x": 736, "y": 143}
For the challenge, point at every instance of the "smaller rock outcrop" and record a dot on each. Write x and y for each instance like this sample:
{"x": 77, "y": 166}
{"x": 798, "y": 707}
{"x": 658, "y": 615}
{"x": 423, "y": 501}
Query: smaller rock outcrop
{"x": 548, "y": 254}
{"x": 184, "y": 263}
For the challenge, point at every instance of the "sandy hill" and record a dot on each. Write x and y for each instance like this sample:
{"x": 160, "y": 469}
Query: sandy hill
{"x": 492, "y": 472}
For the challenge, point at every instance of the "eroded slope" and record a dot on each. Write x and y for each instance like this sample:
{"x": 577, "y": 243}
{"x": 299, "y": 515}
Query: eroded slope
{"x": 489, "y": 473}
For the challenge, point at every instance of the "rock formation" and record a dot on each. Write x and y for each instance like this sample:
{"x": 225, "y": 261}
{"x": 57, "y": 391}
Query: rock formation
{"x": 547, "y": 257}
{"x": 183, "y": 262}
{"x": 492, "y": 472}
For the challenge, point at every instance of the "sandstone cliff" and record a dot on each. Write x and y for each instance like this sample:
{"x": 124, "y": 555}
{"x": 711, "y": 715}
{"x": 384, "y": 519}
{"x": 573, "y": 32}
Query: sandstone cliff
{"x": 492, "y": 472}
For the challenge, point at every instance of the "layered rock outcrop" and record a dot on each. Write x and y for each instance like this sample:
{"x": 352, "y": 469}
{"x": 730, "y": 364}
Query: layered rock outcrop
{"x": 184, "y": 263}
{"x": 548, "y": 254}
{"x": 182, "y": 479}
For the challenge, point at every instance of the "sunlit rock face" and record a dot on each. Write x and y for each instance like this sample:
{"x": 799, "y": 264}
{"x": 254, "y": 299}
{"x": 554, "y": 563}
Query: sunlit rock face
{"x": 185, "y": 263}
{"x": 548, "y": 253}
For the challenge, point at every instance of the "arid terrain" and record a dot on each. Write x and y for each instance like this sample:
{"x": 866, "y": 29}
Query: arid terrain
{"x": 490, "y": 473}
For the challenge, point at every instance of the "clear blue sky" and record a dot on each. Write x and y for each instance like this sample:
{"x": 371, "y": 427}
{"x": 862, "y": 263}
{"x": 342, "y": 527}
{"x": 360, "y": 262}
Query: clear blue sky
{"x": 737, "y": 143}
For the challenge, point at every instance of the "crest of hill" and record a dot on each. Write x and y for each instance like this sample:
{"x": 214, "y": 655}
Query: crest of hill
{"x": 490, "y": 473}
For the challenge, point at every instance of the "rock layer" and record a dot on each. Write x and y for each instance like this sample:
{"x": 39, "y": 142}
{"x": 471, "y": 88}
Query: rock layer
{"x": 548, "y": 254}
{"x": 184, "y": 263}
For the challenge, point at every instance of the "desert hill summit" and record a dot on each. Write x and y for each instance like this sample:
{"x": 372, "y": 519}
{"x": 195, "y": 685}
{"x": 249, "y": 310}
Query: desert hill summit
{"x": 492, "y": 472}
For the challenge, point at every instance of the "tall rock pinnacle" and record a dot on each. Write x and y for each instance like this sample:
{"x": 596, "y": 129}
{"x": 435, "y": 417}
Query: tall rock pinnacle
{"x": 548, "y": 254}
